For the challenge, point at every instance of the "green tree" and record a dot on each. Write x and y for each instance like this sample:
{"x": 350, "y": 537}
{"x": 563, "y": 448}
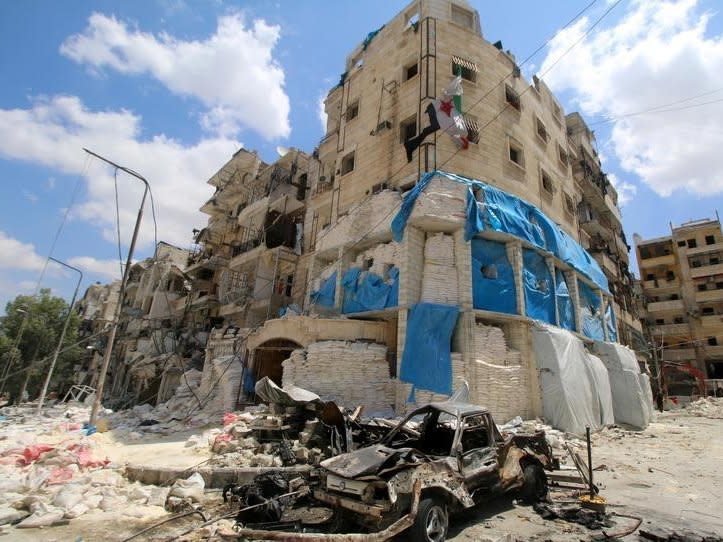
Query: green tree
{"x": 29, "y": 334}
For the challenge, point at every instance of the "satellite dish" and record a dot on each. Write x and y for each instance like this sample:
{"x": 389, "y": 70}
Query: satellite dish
{"x": 282, "y": 151}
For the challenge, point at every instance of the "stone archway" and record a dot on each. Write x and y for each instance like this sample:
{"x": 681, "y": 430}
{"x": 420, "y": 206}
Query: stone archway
{"x": 268, "y": 357}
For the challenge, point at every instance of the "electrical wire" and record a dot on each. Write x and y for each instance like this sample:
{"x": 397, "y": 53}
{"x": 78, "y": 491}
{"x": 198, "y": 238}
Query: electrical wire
{"x": 117, "y": 221}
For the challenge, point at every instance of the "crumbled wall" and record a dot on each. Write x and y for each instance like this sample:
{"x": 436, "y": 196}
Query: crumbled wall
{"x": 349, "y": 373}
{"x": 384, "y": 255}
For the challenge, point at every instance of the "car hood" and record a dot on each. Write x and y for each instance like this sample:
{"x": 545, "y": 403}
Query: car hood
{"x": 372, "y": 460}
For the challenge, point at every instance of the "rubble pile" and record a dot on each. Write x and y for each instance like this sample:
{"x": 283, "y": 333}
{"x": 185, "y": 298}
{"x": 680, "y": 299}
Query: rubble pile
{"x": 706, "y": 407}
{"x": 52, "y": 470}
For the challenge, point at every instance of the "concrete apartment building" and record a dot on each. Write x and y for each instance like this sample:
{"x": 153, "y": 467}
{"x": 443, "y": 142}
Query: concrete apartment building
{"x": 682, "y": 283}
{"x": 299, "y": 276}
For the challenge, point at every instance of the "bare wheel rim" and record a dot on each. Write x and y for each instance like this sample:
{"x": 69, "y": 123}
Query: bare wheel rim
{"x": 436, "y": 524}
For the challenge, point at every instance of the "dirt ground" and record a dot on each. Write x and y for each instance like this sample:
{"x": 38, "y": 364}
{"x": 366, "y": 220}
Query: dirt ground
{"x": 668, "y": 475}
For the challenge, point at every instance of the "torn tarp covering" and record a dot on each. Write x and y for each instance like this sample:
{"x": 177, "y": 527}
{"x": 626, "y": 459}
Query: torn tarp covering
{"x": 610, "y": 323}
{"x": 325, "y": 295}
{"x": 268, "y": 391}
{"x": 427, "y": 361}
{"x": 592, "y": 325}
{"x": 493, "y": 280}
{"x": 500, "y": 211}
{"x": 366, "y": 291}
{"x": 538, "y": 286}
{"x": 565, "y": 309}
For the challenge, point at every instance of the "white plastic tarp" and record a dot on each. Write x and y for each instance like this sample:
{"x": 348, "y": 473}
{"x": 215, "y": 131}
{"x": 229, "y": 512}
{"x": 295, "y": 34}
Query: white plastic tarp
{"x": 572, "y": 399}
{"x": 632, "y": 397}
{"x": 601, "y": 383}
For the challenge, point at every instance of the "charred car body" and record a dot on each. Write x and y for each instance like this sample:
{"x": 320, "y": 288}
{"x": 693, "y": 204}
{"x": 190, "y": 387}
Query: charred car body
{"x": 453, "y": 451}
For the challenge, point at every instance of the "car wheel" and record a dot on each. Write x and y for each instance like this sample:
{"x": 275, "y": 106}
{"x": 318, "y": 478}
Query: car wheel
{"x": 534, "y": 485}
{"x": 431, "y": 522}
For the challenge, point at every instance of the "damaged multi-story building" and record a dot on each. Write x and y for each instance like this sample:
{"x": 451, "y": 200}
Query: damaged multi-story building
{"x": 681, "y": 276}
{"x": 395, "y": 261}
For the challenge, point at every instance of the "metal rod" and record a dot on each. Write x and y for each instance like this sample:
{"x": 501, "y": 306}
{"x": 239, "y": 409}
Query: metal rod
{"x": 589, "y": 461}
{"x": 124, "y": 280}
{"x": 48, "y": 376}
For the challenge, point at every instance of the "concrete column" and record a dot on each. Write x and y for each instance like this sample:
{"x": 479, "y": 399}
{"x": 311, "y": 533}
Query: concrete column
{"x": 514, "y": 254}
{"x": 551, "y": 266}
{"x": 571, "y": 279}
{"x": 343, "y": 262}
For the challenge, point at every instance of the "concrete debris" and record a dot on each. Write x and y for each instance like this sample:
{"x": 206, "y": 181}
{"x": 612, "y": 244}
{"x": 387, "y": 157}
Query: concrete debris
{"x": 706, "y": 407}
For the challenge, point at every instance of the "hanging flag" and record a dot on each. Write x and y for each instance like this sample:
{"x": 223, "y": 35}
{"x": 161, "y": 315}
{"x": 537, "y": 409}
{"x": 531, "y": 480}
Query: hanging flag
{"x": 444, "y": 113}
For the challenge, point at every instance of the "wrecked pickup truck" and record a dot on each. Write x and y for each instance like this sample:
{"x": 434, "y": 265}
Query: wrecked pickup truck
{"x": 450, "y": 454}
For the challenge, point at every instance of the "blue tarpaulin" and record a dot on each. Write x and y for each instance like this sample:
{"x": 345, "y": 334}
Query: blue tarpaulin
{"x": 365, "y": 291}
{"x": 610, "y": 323}
{"x": 324, "y": 296}
{"x": 592, "y": 325}
{"x": 500, "y": 211}
{"x": 564, "y": 303}
{"x": 427, "y": 360}
{"x": 538, "y": 286}
{"x": 493, "y": 280}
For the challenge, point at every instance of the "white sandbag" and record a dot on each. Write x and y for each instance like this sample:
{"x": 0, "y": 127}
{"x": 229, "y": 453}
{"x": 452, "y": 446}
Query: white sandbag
{"x": 8, "y": 514}
{"x": 190, "y": 488}
{"x": 44, "y": 516}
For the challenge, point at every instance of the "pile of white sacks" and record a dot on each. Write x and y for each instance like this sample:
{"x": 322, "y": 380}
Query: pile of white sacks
{"x": 439, "y": 274}
{"x": 348, "y": 373}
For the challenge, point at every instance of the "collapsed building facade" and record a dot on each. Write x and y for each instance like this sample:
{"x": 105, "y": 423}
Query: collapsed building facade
{"x": 378, "y": 274}
{"x": 681, "y": 276}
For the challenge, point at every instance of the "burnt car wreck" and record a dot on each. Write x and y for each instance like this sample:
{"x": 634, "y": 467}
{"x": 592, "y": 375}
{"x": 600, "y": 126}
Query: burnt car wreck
{"x": 440, "y": 459}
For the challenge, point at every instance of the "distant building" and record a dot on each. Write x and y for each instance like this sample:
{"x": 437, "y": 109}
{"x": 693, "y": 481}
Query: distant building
{"x": 682, "y": 283}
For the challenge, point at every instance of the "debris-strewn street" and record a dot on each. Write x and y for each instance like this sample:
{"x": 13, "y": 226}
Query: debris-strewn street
{"x": 56, "y": 475}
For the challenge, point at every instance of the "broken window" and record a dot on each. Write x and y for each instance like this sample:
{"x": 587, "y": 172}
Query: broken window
{"x": 569, "y": 205}
{"x": 410, "y": 71}
{"x": 352, "y": 110}
{"x": 512, "y": 98}
{"x": 670, "y": 275}
{"x": 707, "y": 311}
{"x": 541, "y": 130}
{"x": 681, "y": 243}
{"x": 515, "y": 153}
{"x": 695, "y": 263}
{"x": 710, "y": 239}
{"x": 719, "y": 285}
{"x": 702, "y": 287}
{"x": 408, "y": 128}
{"x": 473, "y": 131}
{"x": 462, "y": 17}
{"x": 714, "y": 260}
{"x": 692, "y": 243}
{"x": 489, "y": 271}
{"x": 562, "y": 155}
{"x": 659, "y": 322}
{"x": 556, "y": 112}
{"x": 712, "y": 341}
{"x": 547, "y": 184}
{"x": 466, "y": 68}
{"x": 347, "y": 163}
{"x": 650, "y": 276}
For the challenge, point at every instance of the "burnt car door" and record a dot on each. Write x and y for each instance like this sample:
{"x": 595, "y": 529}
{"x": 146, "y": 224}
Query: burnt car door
{"x": 476, "y": 450}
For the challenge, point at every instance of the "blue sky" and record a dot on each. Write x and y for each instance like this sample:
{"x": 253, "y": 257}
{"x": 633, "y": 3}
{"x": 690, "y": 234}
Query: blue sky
{"x": 171, "y": 88}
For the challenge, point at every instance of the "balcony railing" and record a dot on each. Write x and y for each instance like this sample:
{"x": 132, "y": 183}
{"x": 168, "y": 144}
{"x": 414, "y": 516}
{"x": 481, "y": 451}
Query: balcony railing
{"x": 670, "y": 305}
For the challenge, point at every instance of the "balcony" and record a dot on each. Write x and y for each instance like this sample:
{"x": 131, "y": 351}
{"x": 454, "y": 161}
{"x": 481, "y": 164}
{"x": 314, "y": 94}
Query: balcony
{"x": 667, "y": 259}
{"x": 661, "y": 285}
{"x": 709, "y": 295}
{"x": 678, "y": 354}
{"x": 706, "y": 270}
{"x": 713, "y": 351}
{"x": 669, "y": 330}
{"x": 712, "y": 321}
{"x": 705, "y": 249}
{"x": 666, "y": 306}
{"x": 607, "y": 264}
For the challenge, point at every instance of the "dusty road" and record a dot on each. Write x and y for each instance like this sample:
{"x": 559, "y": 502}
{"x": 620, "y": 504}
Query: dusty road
{"x": 669, "y": 475}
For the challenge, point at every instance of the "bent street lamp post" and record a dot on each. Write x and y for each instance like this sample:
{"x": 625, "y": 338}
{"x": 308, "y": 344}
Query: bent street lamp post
{"x": 41, "y": 399}
{"x": 124, "y": 280}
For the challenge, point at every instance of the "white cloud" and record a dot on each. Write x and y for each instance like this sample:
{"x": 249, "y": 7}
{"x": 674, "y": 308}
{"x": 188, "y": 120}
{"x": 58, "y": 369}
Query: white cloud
{"x": 32, "y": 198}
{"x": 17, "y": 255}
{"x": 53, "y": 131}
{"x": 626, "y": 190}
{"x": 322, "y": 112}
{"x": 233, "y": 72}
{"x": 108, "y": 268}
{"x": 50, "y": 183}
{"x": 658, "y": 53}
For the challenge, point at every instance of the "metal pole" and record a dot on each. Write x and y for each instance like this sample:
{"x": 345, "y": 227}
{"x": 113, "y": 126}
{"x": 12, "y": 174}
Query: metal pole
{"x": 44, "y": 391}
{"x": 124, "y": 280}
{"x": 589, "y": 461}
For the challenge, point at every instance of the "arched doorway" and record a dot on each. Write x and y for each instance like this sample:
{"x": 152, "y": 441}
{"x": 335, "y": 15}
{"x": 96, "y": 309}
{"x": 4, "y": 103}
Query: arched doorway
{"x": 268, "y": 357}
